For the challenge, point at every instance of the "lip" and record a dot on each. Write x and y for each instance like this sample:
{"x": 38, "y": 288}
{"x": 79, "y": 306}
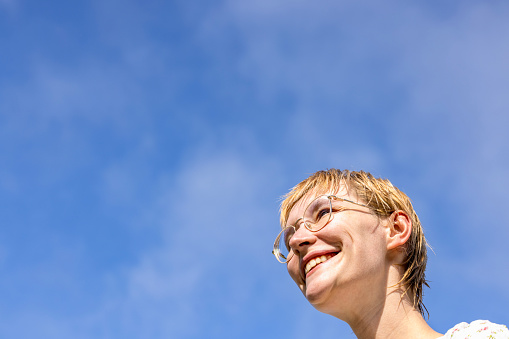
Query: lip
{"x": 308, "y": 257}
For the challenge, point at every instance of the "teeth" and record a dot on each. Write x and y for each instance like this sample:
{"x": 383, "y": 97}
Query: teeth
{"x": 318, "y": 260}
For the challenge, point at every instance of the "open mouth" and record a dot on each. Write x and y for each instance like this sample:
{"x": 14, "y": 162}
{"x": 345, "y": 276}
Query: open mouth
{"x": 317, "y": 261}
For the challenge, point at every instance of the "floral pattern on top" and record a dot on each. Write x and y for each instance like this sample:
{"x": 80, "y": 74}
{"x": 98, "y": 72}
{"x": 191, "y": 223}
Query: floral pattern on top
{"x": 479, "y": 329}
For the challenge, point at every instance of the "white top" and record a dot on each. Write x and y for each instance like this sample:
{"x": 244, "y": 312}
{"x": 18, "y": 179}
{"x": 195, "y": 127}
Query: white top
{"x": 479, "y": 329}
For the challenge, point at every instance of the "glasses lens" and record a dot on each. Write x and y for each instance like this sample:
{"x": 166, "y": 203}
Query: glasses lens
{"x": 318, "y": 213}
{"x": 282, "y": 248}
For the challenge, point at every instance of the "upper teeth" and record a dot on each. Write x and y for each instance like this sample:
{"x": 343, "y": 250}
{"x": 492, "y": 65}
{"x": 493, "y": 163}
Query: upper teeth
{"x": 318, "y": 260}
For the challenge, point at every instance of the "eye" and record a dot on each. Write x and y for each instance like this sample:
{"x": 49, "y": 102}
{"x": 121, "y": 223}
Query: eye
{"x": 324, "y": 212}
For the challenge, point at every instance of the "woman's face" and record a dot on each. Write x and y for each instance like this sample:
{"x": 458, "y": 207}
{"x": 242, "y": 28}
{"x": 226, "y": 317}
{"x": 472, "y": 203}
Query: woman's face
{"x": 351, "y": 268}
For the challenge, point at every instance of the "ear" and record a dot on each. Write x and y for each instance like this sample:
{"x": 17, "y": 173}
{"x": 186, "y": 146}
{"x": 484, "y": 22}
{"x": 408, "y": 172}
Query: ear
{"x": 399, "y": 229}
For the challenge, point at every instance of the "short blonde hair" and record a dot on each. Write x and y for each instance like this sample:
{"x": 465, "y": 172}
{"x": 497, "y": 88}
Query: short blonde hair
{"x": 384, "y": 199}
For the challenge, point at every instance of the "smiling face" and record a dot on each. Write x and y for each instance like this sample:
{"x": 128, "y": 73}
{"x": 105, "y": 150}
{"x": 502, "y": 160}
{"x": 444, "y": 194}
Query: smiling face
{"x": 343, "y": 266}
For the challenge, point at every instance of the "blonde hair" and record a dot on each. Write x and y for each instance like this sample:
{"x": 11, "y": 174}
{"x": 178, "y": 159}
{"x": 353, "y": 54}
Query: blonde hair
{"x": 384, "y": 199}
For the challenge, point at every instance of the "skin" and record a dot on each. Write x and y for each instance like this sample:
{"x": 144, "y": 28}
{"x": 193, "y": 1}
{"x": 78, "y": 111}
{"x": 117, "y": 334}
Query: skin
{"x": 359, "y": 284}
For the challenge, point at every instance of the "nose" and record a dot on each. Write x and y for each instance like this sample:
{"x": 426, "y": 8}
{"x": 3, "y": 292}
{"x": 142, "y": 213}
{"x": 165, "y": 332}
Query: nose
{"x": 301, "y": 239}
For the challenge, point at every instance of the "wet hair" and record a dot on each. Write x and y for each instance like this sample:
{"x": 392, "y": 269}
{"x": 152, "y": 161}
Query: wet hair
{"x": 384, "y": 199}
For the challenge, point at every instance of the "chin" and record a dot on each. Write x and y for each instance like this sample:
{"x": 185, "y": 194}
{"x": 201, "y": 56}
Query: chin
{"x": 329, "y": 298}
{"x": 319, "y": 288}
{"x": 317, "y": 295}
{"x": 325, "y": 306}
{"x": 331, "y": 306}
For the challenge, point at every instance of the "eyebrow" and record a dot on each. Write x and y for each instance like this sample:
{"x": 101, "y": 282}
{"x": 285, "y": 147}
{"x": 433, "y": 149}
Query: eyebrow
{"x": 351, "y": 201}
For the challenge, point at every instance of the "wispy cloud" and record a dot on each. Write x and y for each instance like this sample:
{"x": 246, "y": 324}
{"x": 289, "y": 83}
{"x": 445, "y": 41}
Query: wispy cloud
{"x": 212, "y": 220}
{"x": 189, "y": 126}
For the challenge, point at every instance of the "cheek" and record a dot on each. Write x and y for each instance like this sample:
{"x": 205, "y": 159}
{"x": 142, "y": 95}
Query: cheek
{"x": 371, "y": 251}
{"x": 367, "y": 245}
{"x": 293, "y": 270}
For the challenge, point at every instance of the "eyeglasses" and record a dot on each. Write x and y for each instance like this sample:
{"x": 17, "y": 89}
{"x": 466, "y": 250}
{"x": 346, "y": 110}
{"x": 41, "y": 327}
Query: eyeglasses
{"x": 316, "y": 216}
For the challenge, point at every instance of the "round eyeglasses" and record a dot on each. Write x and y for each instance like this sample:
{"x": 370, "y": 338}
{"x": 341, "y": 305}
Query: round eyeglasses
{"x": 316, "y": 216}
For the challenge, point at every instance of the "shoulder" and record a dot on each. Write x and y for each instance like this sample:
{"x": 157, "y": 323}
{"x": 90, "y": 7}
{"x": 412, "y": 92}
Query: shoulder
{"x": 478, "y": 329}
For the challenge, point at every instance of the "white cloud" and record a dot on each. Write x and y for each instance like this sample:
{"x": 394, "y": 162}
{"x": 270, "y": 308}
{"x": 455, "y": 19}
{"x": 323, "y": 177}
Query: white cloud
{"x": 212, "y": 220}
{"x": 443, "y": 131}
{"x": 337, "y": 60}
{"x": 93, "y": 91}
{"x": 9, "y": 4}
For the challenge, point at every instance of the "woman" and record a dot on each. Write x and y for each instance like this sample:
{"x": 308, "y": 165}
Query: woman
{"x": 355, "y": 247}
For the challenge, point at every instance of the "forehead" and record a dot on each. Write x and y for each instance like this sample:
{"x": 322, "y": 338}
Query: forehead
{"x": 298, "y": 209}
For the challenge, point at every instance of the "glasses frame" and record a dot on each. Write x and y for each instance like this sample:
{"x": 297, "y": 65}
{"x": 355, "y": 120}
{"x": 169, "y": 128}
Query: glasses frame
{"x": 275, "y": 250}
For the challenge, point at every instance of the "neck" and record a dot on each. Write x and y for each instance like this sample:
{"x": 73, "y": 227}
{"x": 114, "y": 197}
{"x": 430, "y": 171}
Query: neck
{"x": 395, "y": 318}
{"x": 390, "y": 315}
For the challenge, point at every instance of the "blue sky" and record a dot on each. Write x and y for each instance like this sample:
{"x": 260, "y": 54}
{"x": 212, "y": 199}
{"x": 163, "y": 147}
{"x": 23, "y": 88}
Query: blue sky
{"x": 145, "y": 145}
